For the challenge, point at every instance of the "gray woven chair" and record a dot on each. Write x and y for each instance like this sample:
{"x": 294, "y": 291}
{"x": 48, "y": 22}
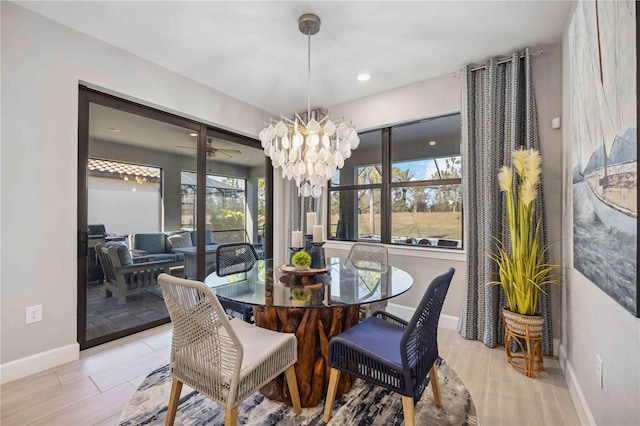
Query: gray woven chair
{"x": 389, "y": 352}
{"x": 225, "y": 360}
{"x": 373, "y": 257}
{"x": 235, "y": 258}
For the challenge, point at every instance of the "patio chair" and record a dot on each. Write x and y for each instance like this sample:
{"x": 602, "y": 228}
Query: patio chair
{"x": 224, "y": 359}
{"x": 123, "y": 274}
{"x": 233, "y": 259}
{"x": 373, "y": 257}
{"x": 392, "y": 353}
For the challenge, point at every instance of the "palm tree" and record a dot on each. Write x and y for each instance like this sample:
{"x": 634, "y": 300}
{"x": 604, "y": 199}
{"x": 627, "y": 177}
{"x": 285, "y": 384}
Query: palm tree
{"x": 405, "y": 175}
{"x": 370, "y": 175}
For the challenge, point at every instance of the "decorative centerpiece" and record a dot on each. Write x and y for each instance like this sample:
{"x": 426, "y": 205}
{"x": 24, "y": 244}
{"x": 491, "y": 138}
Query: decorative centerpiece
{"x": 301, "y": 260}
{"x": 523, "y": 270}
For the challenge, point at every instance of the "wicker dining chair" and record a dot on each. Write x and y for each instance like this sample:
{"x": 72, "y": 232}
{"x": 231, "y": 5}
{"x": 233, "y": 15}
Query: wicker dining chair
{"x": 389, "y": 352}
{"x": 373, "y": 257}
{"x": 224, "y": 359}
{"x": 235, "y": 258}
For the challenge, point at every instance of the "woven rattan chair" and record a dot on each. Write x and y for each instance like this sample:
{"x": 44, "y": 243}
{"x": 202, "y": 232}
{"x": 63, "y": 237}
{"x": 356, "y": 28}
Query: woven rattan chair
{"x": 373, "y": 257}
{"x": 392, "y": 353}
{"x": 225, "y": 360}
{"x": 231, "y": 259}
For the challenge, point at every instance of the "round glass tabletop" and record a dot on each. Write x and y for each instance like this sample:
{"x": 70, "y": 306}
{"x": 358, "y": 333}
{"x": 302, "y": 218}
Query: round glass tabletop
{"x": 273, "y": 283}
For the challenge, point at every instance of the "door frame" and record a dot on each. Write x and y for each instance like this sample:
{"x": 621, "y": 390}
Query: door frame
{"x": 86, "y": 96}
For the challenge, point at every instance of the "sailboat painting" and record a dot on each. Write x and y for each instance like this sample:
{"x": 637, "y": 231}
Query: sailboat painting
{"x": 602, "y": 45}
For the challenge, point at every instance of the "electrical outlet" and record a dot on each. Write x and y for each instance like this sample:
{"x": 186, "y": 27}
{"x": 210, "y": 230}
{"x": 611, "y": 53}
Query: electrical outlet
{"x": 34, "y": 314}
{"x": 599, "y": 370}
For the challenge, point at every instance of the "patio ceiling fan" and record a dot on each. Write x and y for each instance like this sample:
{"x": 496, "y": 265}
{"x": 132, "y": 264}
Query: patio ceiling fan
{"x": 213, "y": 152}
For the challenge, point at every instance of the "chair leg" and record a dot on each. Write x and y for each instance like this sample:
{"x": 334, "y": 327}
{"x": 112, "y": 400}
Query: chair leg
{"x": 174, "y": 398}
{"x": 331, "y": 394}
{"x": 231, "y": 417}
{"x": 435, "y": 384}
{"x": 408, "y": 410}
{"x": 293, "y": 389}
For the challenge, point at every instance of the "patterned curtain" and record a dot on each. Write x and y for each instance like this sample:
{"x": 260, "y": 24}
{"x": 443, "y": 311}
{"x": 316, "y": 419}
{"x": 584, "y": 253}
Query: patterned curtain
{"x": 498, "y": 116}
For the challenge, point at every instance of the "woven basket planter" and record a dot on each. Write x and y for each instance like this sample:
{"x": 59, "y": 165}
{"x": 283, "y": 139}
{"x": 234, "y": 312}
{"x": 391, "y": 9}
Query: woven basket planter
{"x": 517, "y": 323}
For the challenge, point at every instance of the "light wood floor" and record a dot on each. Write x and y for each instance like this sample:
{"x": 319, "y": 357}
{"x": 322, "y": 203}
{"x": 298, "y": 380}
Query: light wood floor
{"x": 95, "y": 389}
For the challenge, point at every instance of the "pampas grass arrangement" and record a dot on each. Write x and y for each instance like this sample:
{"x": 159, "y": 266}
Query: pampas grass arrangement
{"x": 523, "y": 270}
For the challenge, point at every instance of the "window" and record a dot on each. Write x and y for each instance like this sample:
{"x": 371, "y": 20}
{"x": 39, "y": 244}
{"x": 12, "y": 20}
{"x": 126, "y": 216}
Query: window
{"x": 226, "y": 206}
{"x": 414, "y": 197}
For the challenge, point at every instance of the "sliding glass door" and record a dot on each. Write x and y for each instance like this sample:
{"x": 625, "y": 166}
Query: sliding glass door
{"x": 139, "y": 177}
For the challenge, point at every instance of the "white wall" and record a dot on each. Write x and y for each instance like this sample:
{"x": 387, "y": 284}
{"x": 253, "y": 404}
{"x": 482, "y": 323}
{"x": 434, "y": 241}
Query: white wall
{"x": 42, "y": 64}
{"x": 124, "y": 207}
{"x": 595, "y": 324}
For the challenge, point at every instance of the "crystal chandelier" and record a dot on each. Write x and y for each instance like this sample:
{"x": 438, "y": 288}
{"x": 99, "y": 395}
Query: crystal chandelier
{"x": 309, "y": 152}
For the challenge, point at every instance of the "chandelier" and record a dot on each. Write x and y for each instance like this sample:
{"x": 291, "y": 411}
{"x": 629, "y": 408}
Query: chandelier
{"x": 311, "y": 152}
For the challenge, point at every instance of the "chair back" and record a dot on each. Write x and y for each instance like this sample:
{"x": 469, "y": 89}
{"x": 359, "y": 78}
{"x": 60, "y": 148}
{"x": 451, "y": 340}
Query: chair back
{"x": 203, "y": 339}
{"x": 109, "y": 263}
{"x": 235, "y": 258}
{"x": 374, "y": 257}
{"x": 419, "y": 343}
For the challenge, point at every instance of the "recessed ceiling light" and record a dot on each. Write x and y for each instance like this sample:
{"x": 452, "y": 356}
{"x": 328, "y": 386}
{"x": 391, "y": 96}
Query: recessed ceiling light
{"x": 363, "y": 77}
{"x": 432, "y": 143}
{"x": 193, "y": 134}
{"x": 113, "y": 130}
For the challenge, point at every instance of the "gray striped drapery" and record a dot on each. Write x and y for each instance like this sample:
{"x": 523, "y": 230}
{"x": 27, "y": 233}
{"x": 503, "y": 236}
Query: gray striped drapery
{"x": 498, "y": 116}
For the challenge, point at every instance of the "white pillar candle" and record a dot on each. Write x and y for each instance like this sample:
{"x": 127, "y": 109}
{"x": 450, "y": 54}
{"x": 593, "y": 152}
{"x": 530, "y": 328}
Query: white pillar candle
{"x": 296, "y": 239}
{"x": 318, "y": 233}
{"x": 311, "y": 221}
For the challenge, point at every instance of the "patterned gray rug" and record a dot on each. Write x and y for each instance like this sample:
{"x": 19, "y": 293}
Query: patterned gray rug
{"x": 364, "y": 405}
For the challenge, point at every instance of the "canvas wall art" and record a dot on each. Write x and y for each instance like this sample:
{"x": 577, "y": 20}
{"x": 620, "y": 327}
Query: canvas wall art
{"x": 602, "y": 43}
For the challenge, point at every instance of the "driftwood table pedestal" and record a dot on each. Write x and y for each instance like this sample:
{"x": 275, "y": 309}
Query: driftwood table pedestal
{"x": 313, "y": 328}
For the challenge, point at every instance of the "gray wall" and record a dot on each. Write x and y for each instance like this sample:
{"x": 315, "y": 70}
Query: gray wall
{"x": 595, "y": 324}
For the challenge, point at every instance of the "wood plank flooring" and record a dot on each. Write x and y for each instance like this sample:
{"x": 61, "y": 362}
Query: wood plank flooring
{"x": 95, "y": 389}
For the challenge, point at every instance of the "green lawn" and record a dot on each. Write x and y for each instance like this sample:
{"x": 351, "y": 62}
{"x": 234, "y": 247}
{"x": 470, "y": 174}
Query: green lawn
{"x": 446, "y": 225}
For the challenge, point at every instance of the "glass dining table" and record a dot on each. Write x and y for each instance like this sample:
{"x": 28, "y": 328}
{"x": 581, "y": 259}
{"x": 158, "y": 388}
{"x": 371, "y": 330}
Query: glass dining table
{"x": 316, "y": 305}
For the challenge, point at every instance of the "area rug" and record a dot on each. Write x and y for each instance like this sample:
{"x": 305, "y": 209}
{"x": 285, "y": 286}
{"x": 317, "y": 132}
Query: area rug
{"x": 364, "y": 405}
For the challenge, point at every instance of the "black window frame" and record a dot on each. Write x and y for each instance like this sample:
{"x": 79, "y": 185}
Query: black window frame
{"x": 386, "y": 187}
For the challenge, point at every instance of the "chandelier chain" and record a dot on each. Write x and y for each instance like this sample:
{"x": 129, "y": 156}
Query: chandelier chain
{"x": 309, "y": 151}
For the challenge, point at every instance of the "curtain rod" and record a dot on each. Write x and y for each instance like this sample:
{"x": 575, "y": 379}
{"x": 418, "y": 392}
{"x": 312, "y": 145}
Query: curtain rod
{"x": 502, "y": 61}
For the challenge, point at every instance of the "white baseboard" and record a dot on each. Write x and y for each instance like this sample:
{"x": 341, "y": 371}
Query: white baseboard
{"x": 23, "y": 367}
{"x": 579, "y": 401}
{"x": 448, "y": 322}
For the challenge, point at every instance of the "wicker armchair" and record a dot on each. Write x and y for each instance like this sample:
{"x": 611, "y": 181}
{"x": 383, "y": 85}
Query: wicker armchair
{"x": 233, "y": 259}
{"x": 225, "y": 360}
{"x": 392, "y": 353}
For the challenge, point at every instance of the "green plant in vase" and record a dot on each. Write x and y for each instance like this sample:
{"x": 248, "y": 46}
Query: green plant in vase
{"x": 523, "y": 270}
{"x": 301, "y": 260}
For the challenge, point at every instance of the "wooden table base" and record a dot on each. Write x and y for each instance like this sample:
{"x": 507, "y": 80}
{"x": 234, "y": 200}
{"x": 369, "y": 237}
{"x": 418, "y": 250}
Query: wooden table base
{"x": 313, "y": 328}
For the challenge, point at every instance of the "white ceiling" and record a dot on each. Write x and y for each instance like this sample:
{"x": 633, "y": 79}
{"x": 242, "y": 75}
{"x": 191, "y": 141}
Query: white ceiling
{"x": 254, "y": 51}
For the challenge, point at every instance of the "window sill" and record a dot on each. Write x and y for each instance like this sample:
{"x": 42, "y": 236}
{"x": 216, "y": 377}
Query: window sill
{"x": 402, "y": 250}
